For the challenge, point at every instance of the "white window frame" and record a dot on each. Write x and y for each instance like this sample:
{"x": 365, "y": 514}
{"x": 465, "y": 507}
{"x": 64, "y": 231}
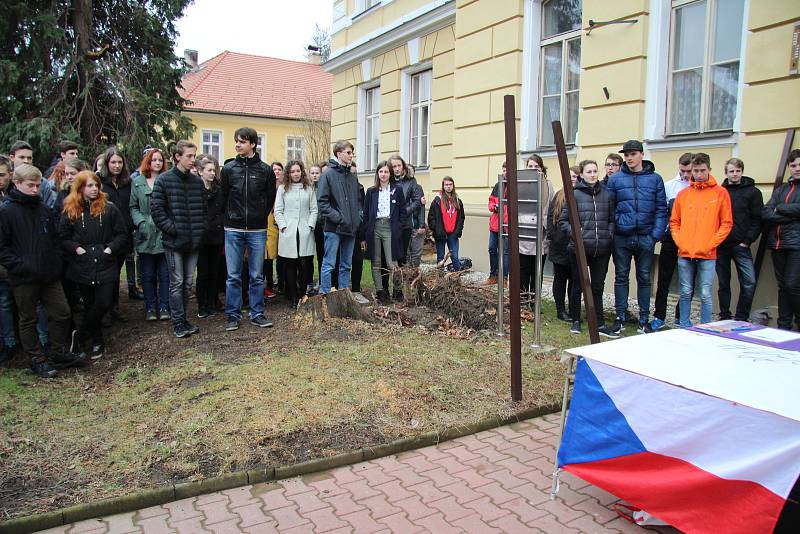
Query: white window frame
{"x": 262, "y": 146}
{"x": 659, "y": 48}
{"x": 294, "y": 149}
{"x": 219, "y": 145}
{"x": 706, "y": 67}
{"x": 413, "y": 112}
{"x": 364, "y": 121}
{"x": 563, "y": 38}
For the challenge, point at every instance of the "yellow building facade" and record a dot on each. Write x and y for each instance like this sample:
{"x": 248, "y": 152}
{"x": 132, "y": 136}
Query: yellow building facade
{"x": 680, "y": 75}
{"x": 214, "y": 135}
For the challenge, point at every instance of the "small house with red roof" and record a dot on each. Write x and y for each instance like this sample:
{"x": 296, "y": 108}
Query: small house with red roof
{"x": 287, "y": 102}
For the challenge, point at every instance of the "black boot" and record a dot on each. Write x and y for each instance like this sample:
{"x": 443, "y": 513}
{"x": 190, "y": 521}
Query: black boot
{"x": 134, "y": 293}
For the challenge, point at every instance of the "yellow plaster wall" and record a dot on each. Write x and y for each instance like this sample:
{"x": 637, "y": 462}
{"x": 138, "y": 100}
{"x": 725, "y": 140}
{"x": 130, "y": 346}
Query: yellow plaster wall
{"x": 276, "y": 131}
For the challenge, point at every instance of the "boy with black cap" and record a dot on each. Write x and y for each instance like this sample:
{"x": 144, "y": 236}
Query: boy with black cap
{"x": 640, "y": 221}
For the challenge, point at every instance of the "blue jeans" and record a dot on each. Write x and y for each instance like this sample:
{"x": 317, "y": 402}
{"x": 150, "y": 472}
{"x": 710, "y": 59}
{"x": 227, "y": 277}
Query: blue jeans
{"x": 155, "y": 274}
{"x": 181, "y": 267}
{"x": 343, "y": 244}
{"x": 640, "y": 249}
{"x": 7, "y": 315}
{"x": 687, "y": 268}
{"x": 236, "y": 244}
{"x": 743, "y": 260}
{"x": 493, "y": 244}
{"x": 452, "y": 244}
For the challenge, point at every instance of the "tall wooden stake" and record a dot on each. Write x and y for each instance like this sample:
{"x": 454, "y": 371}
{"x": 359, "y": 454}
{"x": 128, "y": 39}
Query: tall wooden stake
{"x": 513, "y": 247}
{"x": 762, "y": 243}
{"x": 577, "y": 236}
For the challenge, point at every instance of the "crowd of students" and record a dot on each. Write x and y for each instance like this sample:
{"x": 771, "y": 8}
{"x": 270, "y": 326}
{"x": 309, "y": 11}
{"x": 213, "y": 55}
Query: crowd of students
{"x": 65, "y": 239}
{"x": 703, "y": 225}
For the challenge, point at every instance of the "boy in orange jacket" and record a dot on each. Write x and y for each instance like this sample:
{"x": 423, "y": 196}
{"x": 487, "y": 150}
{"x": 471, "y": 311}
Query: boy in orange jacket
{"x": 701, "y": 219}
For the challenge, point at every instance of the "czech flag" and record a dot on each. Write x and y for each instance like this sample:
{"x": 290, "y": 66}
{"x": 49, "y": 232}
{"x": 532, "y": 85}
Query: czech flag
{"x": 698, "y": 462}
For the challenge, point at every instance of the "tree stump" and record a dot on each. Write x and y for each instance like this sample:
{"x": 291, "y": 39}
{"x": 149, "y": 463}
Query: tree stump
{"x": 335, "y": 304}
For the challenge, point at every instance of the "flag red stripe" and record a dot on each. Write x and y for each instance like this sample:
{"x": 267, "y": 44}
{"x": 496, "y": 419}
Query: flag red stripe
{"x": 684, "y": 495}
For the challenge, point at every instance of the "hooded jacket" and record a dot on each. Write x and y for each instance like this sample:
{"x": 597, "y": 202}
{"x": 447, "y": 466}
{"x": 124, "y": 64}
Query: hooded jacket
{"x": 436, "y": 223}
{"x": 494, "y": 202}
{"x": 746, "y": 204}
{"x": 641, "y": 202}
{"x": 29, "y": 247}
{"x": 178, "y": 209}
{"x": 782, "y": 216}
{"x": 701, "y": 219}
{"x": 93, "y": 234}
{"x": 248, "y": 193}
{"x": 596, "y": 213}
{"x": 339, "y": 200}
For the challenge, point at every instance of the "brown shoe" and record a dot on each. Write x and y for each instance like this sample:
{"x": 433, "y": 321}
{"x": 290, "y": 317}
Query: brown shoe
{"x": 491, "y": 281}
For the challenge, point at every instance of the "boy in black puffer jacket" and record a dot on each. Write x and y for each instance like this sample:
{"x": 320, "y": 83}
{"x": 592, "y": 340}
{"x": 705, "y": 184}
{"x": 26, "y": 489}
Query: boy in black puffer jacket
{"x": 179, "y": 210}
{"x": 746, "y": 204}
{"x": 30, "y": 251}
{"x": 782, "y": 215}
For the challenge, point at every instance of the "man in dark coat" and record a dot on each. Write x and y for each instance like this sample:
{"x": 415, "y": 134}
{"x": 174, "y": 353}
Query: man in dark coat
{"x": 179, "y": 211}
{"x": 248, "y": 194}
{"x": 746, "y": 204}
{"x": 30, "y": 251}
{"x": 340, "y": 205}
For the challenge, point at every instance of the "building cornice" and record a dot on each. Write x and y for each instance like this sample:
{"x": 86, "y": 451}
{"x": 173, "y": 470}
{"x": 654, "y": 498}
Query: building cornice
{"x": 433, "y": 16}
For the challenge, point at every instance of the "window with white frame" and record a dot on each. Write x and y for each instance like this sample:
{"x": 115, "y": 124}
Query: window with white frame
{"x": 294, "y": 148}
{"x": 262, "y": 146}
{"x": 420, "y": 120}
{"x": 560, "y": 48}
{"x": 212, "y": 143}
{"x": 363, "y": 5}
{"x": 705, "y": 45}
{"x": 372, "y": 127}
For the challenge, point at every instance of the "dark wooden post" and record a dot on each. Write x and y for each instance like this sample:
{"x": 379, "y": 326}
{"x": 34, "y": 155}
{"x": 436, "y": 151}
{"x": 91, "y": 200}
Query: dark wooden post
{"x": 577, "y": 237}
{"x": 762, "y": 243}
{"x": 513, "y": 247}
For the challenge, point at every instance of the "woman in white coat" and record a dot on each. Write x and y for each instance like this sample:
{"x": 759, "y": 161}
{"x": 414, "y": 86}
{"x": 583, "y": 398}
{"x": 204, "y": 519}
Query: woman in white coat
{"x": 296, "y": 215}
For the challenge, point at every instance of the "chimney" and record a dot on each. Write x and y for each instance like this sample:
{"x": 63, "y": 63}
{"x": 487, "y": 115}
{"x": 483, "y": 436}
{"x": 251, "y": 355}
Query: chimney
{"x": 314, "y": 56}
{"x": 190, "y": 57}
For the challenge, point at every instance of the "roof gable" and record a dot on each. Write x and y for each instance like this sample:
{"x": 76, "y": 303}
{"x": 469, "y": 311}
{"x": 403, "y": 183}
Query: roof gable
{"x": 244, "y": 84}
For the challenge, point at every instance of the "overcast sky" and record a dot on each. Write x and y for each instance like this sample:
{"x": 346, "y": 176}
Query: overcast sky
{"x": 275, "y": 28}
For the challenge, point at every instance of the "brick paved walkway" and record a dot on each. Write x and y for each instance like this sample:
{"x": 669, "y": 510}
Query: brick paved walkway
{"x": 494, "y": 481}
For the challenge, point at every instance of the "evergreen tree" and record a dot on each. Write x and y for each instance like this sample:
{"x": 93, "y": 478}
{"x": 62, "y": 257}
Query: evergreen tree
{"x": 99, "y": 72}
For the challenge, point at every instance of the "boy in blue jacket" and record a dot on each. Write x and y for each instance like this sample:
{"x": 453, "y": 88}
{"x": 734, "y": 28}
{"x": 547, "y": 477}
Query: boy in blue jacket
{"x": 640, "y": 221}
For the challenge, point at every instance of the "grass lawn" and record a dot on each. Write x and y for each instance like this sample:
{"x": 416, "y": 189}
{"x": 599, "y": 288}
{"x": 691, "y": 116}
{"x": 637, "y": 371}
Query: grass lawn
{"x": 159, "y": 410}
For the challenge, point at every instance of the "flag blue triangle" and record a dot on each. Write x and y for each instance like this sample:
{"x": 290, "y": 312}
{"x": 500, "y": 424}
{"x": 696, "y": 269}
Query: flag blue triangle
{"x": 595, "y": 428}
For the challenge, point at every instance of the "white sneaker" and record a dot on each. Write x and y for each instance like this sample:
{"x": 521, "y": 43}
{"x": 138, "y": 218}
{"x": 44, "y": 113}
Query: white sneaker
{"x": 361, "y": 299}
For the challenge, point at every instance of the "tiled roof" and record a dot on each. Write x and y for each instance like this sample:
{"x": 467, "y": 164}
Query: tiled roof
{"x": 243, "y": 84}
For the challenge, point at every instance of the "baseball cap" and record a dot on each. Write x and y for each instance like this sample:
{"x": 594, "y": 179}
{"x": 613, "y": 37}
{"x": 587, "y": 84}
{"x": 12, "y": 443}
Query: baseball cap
{"x": 632, "y": 145}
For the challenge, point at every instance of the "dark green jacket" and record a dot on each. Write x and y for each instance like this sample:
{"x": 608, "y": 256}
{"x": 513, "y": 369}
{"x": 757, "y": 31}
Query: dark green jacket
{"x": 147, "y": 236}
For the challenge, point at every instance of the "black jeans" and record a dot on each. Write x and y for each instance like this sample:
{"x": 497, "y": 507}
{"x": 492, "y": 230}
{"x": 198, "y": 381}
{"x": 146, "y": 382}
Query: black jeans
{"x": 52, "y": 298}
{"x": 296, "y": 271}
{"x": 745, "y": 269}
{"x": 787, "y": 272}
{"x": 667, "y": 263}
{"x": 97, "y": 300}
{"x": 562, "y": 275}
{"x": 527, "y": 272}
{"x": 598, "y": 268}
{"x": 407, "y": 233}
{"x": 210, "y": 263}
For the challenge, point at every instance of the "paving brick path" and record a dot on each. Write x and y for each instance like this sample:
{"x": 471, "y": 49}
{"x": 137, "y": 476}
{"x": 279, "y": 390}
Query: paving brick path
{"x": 494, "y": 481}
